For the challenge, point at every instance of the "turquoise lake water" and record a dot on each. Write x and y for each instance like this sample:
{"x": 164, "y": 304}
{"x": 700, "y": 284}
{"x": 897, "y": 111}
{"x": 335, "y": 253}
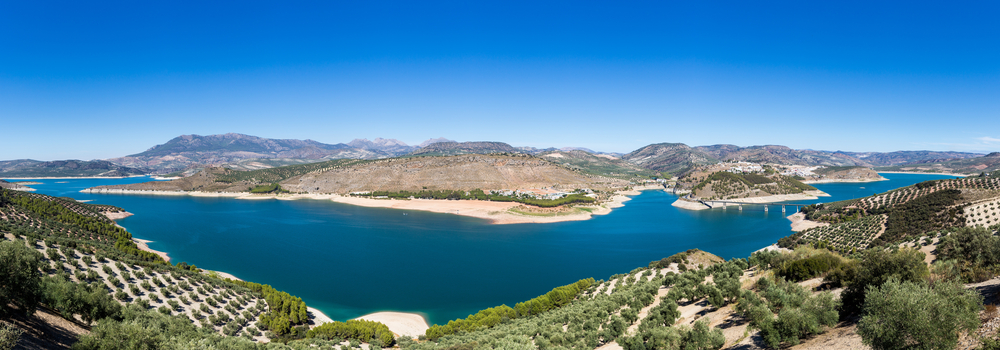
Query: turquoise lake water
{"x": 348, "y": 261}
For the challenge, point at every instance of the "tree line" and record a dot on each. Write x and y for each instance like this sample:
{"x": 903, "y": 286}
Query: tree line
{"x": 488, "y": 318}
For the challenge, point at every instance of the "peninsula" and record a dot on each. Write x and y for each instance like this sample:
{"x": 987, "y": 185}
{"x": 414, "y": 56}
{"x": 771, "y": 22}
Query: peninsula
{"x": 741, "y": 182}
{"x": 504, "y": 188}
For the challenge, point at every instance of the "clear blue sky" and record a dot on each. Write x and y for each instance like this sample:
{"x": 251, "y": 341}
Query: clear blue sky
{"x": 91, "y": 80}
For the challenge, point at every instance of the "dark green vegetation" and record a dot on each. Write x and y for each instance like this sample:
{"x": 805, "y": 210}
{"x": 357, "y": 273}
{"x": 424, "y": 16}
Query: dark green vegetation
{"x": 727, "y": 185}
{"x": 272, "y": 188}
{"x": 276, "y": 175}
{"x": 66, "y": 168}
{"x": 908, "y": 315}
{"x": 969, "y": 254}
{"x": 929, "y": 212}
{"x": 480, "y": 195}
{"x": 491, "y": 317}
{"x": 377, "y": 332}
{"x": 900, "y": 303}
{"x": 784, "y": 312}
{"x": 19, "y": 285}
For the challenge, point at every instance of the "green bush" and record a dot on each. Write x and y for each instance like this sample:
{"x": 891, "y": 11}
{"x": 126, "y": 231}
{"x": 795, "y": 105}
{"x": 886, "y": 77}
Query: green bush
{"x": 904, "y": 315}
{"x": 20, "y": 283}
{"x": 363, "y": 330}
{"x": 878, "y": 266}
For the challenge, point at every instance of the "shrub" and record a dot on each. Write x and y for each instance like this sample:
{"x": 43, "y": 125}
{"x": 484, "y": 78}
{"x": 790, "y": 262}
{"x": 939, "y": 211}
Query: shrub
{"x": 878, "y": 266}
{"x": 908, "y": 314}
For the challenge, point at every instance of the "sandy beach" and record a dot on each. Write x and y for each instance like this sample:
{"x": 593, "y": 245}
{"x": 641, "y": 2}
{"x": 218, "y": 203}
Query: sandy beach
{"x": 799, "y": 222}
{"x": 142, "y": 243}
{"x": 116, "y": 216}
{"x": 923, "y": 173}
{"x": 400, "y": 323}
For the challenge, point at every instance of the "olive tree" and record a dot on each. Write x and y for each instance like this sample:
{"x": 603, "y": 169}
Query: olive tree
{"x": 903, "y": 315}
{"x": 20, "y": 282}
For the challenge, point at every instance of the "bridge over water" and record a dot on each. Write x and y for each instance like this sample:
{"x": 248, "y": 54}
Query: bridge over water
{"x": 739, "y": 205}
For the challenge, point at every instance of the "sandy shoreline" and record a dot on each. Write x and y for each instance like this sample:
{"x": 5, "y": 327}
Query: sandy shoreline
{"x": 923, "y": 173}
{"x": 689, "y": 204}
{"x": 402, "y": 323}
{"x": 799, "y": 222}
{"x": 142, "y": 243}
{"x": 824, "y": 181}
{"x": 495, "y": 212}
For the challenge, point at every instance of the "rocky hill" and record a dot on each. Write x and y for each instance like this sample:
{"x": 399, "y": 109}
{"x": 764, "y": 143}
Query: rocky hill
{"x": 187, "y": 150}
{"x": 908, "y": 157}
{"x": 844, "y": 173}
{"x": 774, "y": 154}
{"x": 464, "y": 172}
{"x": 679, "y": 159}
{"x": 451, "y": 148}
{"x": 66, "y": 168}
{"x": 391, "y": 147}
{"x": 597, "y": 164}
{"x": 674, "y": 158}
{"x": 725, "y": 185}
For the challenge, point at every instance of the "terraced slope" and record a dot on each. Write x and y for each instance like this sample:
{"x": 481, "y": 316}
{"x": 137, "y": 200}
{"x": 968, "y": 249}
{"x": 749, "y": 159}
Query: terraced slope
{"x": 848, "y": 236}
{"x": 904, "y": 213}
{"x": 80, "y": 245}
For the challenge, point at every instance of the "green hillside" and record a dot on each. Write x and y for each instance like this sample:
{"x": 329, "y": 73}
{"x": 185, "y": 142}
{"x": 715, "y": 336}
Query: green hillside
{"x": 727, "y": 185}
{"x": 79, "y": 263}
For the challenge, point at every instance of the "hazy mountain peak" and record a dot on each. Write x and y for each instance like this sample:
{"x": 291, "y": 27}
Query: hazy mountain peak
{"x": 430, "y": 141}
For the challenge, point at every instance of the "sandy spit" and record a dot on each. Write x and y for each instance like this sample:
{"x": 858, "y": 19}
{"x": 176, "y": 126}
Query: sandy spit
{"x": 142, "y": 243}
{"x": 400, "y": 323}
{"x": 116, "y": 216}
{"x": 799, "y": 222}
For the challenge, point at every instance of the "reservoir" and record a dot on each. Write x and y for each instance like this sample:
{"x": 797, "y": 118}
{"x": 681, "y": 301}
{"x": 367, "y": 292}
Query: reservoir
{"x": 349, "y": 261}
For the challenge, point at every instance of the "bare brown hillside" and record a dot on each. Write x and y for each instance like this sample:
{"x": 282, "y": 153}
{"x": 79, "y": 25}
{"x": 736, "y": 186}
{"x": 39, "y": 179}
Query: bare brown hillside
{"x": 464, "y": 172}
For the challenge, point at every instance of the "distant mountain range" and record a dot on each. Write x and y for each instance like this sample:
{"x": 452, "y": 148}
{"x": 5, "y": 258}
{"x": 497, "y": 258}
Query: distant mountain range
{"x": 191, "y": 153}
{"x": 66, "y": 168}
